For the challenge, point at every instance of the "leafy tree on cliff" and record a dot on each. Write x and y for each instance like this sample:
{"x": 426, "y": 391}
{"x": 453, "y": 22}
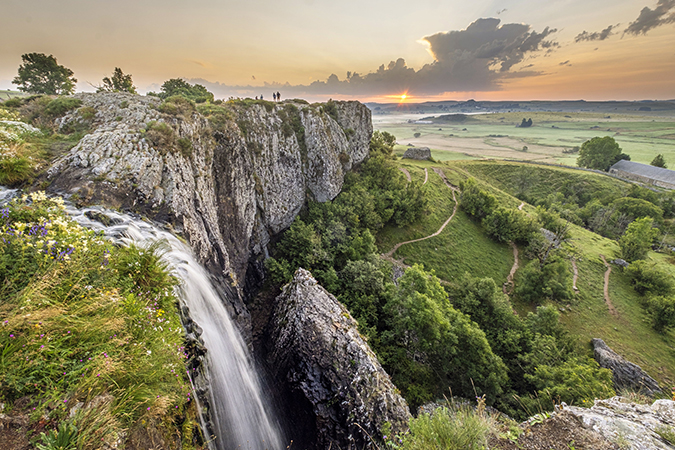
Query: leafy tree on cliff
{"x": 659, "y": 161}
{"x": 382, "y": 143}
{"x": 600, "y": 153}
{"x": 176, "y": 86}
{"x": 119, "y": 82}
{"x": 41, "y": 74}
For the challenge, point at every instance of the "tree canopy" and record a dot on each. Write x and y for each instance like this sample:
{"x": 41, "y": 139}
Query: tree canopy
{"x": 176, "y": 86}
{"x": 41, "y": 74}
{"x": 600, "y": 153}
{"x": 119, "y": 82}
{"x": 659, "y": 161}
{"x": 637, "y": 240}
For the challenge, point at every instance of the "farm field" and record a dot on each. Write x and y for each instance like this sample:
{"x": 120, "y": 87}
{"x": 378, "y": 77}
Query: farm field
{"x": 496, "y": 136}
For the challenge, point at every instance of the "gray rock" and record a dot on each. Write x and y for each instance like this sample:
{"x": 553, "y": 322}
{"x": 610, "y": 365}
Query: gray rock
{"x": 421, "y": 153}
{"x": 620, "y": 262}
{"x": 625, "y": 374}
{"x": 320, "y": 355}
{"x": 630, "y": 425}
{"x": 233, "y": 190}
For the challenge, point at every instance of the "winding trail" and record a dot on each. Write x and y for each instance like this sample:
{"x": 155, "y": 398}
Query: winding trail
{"x": 426, "y": 176}
{"x": 406, "y": 173}
{"x": 612, "y": 311}
{"x": 520, "y": 207}
{"x": 575, "y": 277}
{"x": 508, "y": 286}
{"x": 390, "y": 253}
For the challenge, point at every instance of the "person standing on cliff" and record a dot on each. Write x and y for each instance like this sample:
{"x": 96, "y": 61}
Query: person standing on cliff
{"x": 261, "y": 97}
{"x": 274, "y": 96}
{"x": 278, "y": 96}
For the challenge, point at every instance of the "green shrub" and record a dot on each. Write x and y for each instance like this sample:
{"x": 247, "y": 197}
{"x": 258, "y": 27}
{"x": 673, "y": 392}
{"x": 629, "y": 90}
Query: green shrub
{"x": 646, "y": 278}
{"x": 14, "y": 171}
{"x": 536, "y": 282}
{"x": 662, "y": 312}
{"x": 61, "y": 105}
{"x": 331, "y": 109}
{"x": 160, "y": 135}
{"x": 475, "y": 201}
{"x": 185, "y": 147}
{"x": 12, "y": 103}
{"x": 177, "y": 105}
{"x": 637, "y": 240}
{"x": 87, "y": 113}
{"x": 460, "y": 429}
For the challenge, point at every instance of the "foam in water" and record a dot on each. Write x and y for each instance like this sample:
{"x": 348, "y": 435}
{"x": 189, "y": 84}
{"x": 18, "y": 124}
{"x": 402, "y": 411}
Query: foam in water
{"x": 241, "y": 417}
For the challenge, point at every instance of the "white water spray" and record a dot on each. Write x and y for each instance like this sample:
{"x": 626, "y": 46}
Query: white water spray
{"x": 241, "y": 417}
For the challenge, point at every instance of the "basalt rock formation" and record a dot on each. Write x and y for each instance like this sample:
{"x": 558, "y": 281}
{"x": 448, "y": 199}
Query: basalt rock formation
{"x": 316, "y": 349}
{"x": 227, "y": 185}
{"x": 625, "y": 374}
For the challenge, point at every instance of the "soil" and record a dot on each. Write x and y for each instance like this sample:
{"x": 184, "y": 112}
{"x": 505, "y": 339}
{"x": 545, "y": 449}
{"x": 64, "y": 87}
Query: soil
{"x": 612, "y": 310}
{"x": 406, "y": 173}
{"x": 426, "y": 176}
{"x": 563, "y": 431}
{"x": 507, "y": 288}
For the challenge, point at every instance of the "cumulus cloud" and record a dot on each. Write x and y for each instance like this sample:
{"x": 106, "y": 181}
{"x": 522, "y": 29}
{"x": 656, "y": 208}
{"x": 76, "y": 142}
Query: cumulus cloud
{"x": 595, "y": 36}
{"x": 477, "y": 58}
{"x": 663, "y": 14}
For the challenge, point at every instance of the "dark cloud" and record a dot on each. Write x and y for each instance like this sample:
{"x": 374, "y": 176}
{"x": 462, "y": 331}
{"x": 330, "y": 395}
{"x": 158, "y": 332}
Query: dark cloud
{"x": 663, "y": 14}
{"x": 478, "y": 58}
{"x": 596, "y": 36}
{"x": 565, "y": 63}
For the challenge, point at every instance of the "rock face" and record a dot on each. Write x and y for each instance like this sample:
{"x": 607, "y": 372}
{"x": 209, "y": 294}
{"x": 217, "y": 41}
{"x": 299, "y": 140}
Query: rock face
{"x": 630, "y": 425}
{"x": 625, "y": 374}
{"x": 420, "y": 153}
{"x": 227, "y": 188}
{"x": 319, "y": 354}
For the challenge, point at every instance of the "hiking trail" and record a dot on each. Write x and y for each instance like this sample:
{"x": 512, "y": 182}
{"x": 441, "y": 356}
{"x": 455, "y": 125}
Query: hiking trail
{"x": 612, "y": 310}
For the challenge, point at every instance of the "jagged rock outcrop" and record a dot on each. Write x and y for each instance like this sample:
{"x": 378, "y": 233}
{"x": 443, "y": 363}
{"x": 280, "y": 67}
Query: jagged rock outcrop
{"x": 625, "y": 374}
{"x": 421, "y": 153}
{"x": 228, "y": 188}
{"x": 319, "y": 354}
{"x": 631, "y": 425}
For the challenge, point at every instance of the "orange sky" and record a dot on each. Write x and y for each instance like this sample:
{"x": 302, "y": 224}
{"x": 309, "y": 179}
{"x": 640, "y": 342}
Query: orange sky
{"x": 250, "y": 43}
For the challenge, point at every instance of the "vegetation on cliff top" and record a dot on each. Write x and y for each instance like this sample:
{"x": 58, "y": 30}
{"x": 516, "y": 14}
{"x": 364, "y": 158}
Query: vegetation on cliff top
{"x": 90, "y": 333}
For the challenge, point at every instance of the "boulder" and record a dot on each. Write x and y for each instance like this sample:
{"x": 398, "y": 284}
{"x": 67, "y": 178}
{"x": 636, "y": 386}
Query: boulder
{"x": 625, "y": 374}
{"x": 318, "y": 353}
{"x": 420, "y": 153}
{"x": 630, "y": 425}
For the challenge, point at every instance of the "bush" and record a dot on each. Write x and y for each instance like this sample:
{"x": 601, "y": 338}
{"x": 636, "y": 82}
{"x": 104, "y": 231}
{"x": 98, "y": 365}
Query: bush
{"x": 662, "y": 312}
{"x": 637, "y": 240}
{"x": 475, "y": 201}
{"x": 14, "y": 171}
{"x": 509, "y": 225}
{"x": 537, "y": 282}
{"x": 12, "y": 103}
{"x": 459, "y": 429}
{"x": 160, "y": 135}
{"x": 61, "y": 105}
{"x": 646, "y": 278}
{"x": 177, "y": 105}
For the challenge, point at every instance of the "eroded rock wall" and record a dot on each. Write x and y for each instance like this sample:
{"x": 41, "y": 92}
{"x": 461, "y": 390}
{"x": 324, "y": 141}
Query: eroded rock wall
{"x": 227, "y": 189}
{"x": 318, "y": 353}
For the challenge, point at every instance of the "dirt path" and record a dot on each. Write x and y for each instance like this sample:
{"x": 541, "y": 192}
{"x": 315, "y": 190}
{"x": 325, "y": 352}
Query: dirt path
{"x": 447, "y": 183}
{"x": 426, "y": 176}
{"x": 575, "y": 277}
{"x": 507, "y": 287}
{"x": 612, "y": 311}
{"x": 521, "y": 206}
{"x": 406, "y": 173}
{"x": 390, "y": 253}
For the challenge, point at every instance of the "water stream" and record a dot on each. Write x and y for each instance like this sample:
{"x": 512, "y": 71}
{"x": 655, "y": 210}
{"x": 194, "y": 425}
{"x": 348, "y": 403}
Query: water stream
{"x": 239, "y": 412}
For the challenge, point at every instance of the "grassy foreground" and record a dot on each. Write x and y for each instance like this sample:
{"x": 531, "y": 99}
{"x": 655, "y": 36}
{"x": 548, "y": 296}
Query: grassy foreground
{"x": 90, "y": 336}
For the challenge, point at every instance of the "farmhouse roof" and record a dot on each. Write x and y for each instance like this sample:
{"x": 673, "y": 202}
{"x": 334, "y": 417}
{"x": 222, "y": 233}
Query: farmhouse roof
{"x": 645, "y": 170}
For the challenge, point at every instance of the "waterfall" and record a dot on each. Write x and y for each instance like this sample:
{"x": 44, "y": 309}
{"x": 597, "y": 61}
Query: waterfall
{"x": 240, "y": 414}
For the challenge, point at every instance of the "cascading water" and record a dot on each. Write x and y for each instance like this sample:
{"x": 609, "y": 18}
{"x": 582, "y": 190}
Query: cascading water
{"x": 239, "y": 412}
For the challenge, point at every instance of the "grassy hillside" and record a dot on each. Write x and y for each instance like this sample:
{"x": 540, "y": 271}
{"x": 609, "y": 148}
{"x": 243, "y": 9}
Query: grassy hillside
{"x": 463, "y": 246}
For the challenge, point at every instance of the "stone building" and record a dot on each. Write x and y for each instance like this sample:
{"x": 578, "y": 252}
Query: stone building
{"x": 644, "y": 173}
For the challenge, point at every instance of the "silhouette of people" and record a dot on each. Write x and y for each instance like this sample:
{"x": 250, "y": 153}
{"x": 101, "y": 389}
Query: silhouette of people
{"x": 256, "y": 97}
{"x": 261, "y": 97}
{"x": 278, "y": 96}
{"x": 274, "y": 95}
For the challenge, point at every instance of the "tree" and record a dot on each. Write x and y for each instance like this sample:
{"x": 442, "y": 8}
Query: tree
{"x": 659, "y": 161}
{"x": 552, "y": 280}
{"x": 475, "y": 201}
{"x": 382, "y": 143}
{"x": 637, "y": 240}
{"x": 119, "y": 82}
{"x": 176, "y": 86}
{"x": 600, "y": 153}
{"x": 41, "y": 74}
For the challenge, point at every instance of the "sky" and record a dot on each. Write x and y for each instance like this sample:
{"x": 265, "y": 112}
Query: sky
{"x": 371, "y": 50}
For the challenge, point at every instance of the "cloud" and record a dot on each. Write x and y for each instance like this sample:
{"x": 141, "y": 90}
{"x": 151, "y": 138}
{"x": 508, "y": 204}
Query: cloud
{"x": 565, "y": 63}
{"x": 596, "y": 36}
{"x": 663, "y": 14}
{"x": 478, "y": 58}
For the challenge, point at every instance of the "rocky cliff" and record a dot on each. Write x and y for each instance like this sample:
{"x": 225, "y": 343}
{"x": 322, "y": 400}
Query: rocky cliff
{"x": 228, "y": 185}
{"x": 317, "y": 351}
{"x": 625, "y": 374}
